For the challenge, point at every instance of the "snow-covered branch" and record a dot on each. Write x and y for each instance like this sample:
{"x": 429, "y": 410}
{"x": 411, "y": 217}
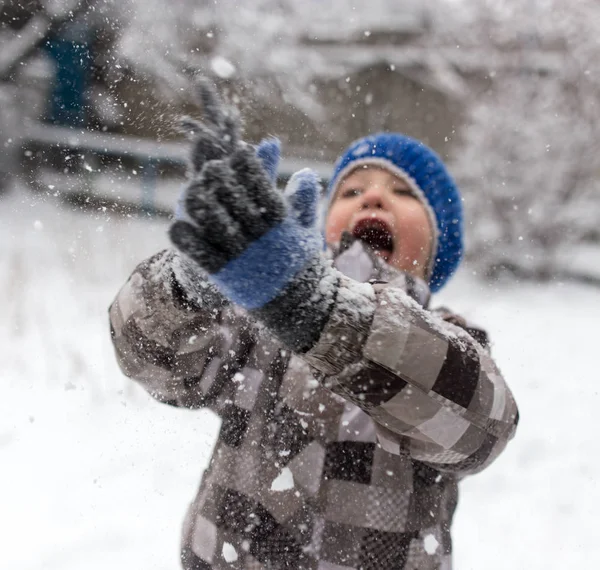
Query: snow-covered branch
{"x": 528, "y": 161}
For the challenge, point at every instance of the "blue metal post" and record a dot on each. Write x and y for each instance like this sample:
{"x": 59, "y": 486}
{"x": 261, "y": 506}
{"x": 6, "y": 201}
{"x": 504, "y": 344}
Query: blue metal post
{"x": 149, "y": 176}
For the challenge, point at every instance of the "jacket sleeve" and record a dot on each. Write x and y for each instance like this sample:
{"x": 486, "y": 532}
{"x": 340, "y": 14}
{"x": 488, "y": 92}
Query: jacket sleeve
{"x": 432, "y": 389}
{"x": 184, "y": 352}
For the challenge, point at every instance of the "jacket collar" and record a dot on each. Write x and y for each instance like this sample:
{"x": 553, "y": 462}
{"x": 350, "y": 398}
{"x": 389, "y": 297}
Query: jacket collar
{"x": 355, "y": 259}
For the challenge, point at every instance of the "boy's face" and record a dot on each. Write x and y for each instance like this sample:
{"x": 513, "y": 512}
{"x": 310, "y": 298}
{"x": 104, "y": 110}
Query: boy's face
{"x": 378, "y": 207}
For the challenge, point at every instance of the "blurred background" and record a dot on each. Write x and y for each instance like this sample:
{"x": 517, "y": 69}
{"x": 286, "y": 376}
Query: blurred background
{"x": 94, "y": 472}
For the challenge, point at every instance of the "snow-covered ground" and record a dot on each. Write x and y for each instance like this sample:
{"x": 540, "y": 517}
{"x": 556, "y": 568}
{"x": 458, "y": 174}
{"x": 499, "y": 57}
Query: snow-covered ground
{"x": 96, "y": 475}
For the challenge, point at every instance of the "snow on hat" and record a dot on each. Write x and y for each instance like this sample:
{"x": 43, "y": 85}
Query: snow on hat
{"x": 425, "y": 172}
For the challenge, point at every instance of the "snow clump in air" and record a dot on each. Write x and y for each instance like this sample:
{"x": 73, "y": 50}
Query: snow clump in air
{"x": 222, "y": 67}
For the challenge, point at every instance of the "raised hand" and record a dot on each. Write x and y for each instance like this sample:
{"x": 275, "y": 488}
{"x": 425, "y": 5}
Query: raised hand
{"x": 250, "y": 239}
{"x": 218, "y": 136}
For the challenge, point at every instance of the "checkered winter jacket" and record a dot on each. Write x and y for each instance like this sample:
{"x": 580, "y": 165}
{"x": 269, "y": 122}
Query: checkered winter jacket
{"x": 347, "y": 457}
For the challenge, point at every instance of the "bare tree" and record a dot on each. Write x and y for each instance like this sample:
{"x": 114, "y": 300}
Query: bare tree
{"x": 528, "y": 161}
{"x": 263, "y": 44}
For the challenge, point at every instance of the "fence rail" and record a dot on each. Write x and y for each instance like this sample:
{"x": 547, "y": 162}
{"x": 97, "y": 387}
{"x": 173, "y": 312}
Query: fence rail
{"x": 150, "y": 154}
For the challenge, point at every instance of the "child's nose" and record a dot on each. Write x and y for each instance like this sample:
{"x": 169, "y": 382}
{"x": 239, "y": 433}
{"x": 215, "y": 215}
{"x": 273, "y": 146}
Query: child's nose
{"x": 372, "y": 198}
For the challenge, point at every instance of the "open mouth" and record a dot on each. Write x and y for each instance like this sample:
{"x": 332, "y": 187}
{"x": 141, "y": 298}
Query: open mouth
{"x": 377, "y": 235}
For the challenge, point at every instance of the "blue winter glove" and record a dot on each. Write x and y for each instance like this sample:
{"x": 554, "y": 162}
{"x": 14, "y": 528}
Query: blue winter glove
{"x": 261, "y": 248}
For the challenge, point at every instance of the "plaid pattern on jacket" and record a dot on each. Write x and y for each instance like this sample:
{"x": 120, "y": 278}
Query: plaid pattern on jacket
{"x": 346, "y": 457}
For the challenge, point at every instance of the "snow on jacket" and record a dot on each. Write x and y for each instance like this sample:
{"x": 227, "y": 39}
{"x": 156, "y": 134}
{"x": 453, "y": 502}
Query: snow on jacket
{"x": 347, "y": 457}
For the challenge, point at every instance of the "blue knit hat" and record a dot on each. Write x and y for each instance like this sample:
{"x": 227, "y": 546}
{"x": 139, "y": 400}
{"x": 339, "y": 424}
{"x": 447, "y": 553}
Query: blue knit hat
{"x": 425, "y": 172}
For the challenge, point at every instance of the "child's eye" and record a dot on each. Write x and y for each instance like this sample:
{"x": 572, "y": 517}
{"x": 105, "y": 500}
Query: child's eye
{"x": 403, "y": 192}
{"x": 350, "y": 192}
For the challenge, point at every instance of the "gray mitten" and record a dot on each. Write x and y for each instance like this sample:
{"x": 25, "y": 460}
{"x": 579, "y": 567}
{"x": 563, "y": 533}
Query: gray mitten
{"x": 261, "y": 248}
{"x": 208, "y": 143}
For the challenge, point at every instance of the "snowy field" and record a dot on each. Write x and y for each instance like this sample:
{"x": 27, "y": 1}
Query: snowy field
{"x": 96, "y": 475}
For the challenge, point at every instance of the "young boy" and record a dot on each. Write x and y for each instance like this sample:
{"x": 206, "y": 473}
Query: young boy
{"x": 349, "y": 410}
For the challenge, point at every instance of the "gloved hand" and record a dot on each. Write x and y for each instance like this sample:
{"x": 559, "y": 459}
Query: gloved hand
{"x": 207, "y": 144}
{"x": 261, "y": 248}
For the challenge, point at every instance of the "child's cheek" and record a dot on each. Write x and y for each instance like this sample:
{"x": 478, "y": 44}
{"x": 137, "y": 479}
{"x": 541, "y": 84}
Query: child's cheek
{"x": 336, "y": 223}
